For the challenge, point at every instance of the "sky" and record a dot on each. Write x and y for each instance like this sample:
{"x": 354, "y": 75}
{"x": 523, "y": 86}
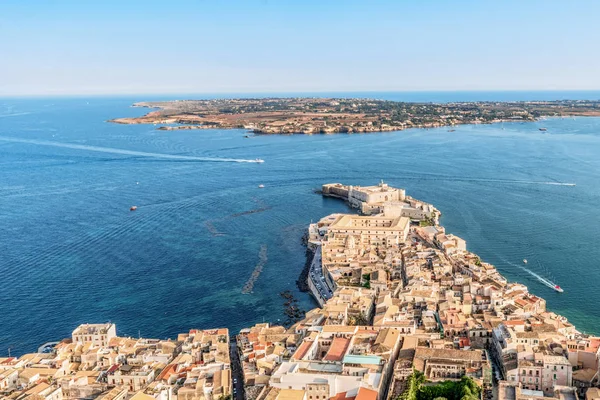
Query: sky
{"x": 54, "y": 47}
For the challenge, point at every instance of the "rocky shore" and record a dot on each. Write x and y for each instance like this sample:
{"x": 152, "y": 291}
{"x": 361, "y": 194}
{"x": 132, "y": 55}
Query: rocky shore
{"x": 302, "y": 281}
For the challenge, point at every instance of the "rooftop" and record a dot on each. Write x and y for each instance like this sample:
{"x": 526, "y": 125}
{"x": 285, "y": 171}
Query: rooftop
{"x": 92, "y": 329}
{"x": 337, "y": 350}
{"x": 450, "y": 354}
{"x": 355, "y": 222}
{"x": 290, "y": 394}
{"x": 357, "y": 359}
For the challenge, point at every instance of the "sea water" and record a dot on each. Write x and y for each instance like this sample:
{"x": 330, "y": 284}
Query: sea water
{"x": 72, "y": 252}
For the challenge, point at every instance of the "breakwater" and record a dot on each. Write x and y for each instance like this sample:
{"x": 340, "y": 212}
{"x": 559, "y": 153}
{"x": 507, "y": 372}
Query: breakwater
{"x": 262, "y": 261}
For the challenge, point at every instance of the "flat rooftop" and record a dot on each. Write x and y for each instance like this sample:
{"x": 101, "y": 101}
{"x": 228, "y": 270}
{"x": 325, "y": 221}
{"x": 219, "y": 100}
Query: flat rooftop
{"x": 91, "y": 329}
{"x": 365, "y": 222}
{"x": 357, "y": 359}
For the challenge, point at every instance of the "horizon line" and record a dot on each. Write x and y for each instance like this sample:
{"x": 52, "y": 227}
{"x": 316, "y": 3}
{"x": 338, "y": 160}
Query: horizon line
{"x": 66, "y": 95}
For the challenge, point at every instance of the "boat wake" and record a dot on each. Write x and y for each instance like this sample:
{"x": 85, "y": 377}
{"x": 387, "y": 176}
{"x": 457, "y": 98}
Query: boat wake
{"x": 14, "y": 114}
{"x": 518, "y": 181}
{"x": 541, "y": 279}
{"x": 123, "y": 152}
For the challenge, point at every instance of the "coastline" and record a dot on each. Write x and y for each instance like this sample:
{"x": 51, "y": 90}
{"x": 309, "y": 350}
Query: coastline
{"x": 333, "y": 116}
{"x": 436, "y": 224}
{"x": 441, "y": 302}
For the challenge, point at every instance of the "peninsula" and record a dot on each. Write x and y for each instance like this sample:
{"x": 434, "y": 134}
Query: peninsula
{"x": 344, "y": 115}
{"x": 406, "y": 312}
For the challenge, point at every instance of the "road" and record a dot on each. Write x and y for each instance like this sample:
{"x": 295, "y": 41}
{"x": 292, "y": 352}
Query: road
{"x": 317, "y": 278}
{"x": 236, "y": 371}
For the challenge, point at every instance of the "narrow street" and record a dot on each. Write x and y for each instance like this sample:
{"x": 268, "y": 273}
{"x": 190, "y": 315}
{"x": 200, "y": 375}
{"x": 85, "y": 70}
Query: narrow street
{"x": 317, "y": 278}
{"x": 236, "y": 371}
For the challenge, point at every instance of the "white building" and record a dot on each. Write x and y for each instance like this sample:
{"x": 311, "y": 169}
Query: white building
{"x": 97, "y": 334}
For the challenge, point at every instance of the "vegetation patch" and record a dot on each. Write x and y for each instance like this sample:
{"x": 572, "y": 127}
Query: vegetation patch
{"x": 418, "y": 388}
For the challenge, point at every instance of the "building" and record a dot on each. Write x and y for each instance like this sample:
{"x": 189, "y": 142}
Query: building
{"x": 130, "y": 377}
{"x": 342, "y": 359}
{"x": 447, "y": 364}
{"x": 98, "y": 335}
{"x": 371, "y": 230}
{"x": 369, "y": 199}
{"x": 557, "y": 371}
{"x": 9, "y": 379}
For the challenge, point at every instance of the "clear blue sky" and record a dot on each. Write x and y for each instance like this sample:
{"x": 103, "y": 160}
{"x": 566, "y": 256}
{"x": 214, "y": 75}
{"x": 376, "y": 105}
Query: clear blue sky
{"x": 213, "y": 46}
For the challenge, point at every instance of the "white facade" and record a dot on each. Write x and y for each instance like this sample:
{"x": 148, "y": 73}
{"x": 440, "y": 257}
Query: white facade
{"x": 97, "y": 334}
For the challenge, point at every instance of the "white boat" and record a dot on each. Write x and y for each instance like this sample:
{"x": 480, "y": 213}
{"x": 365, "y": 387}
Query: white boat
{"x": 259, "y": 160}
{"x": 558, "y": 289}
{"x": 261, "y": 186}
{"x": 524, "y": 261}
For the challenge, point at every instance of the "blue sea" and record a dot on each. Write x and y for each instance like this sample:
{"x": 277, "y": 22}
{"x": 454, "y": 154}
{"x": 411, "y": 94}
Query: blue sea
{"x": 72, "y": 252}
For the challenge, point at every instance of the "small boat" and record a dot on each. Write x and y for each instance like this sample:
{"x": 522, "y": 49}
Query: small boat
{"x": 543, "y": 129}
{"x": 524, "y": 261}
{"x": 259, "y": 160}
{"x": 246, "y": 136}
{"x": 132, "y": 208}
{"x": 558, "y": 289}
{"x": 451, "y": 130}
{"x": 261, "y": 186}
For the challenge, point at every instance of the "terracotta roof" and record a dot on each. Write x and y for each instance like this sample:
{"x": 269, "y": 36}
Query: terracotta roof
{"x": 342, "y": 396}
{"x": 167, "y": 372}
{"x": 302, "y": 350}
{"x": 366, "y": 394}
{"x": 337, "y": 350}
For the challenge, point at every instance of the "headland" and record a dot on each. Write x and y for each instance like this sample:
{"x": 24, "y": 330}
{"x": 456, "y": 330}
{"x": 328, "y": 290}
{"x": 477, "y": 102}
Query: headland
{"x": 402, "y": 302}
{"x": 345, "y": 115}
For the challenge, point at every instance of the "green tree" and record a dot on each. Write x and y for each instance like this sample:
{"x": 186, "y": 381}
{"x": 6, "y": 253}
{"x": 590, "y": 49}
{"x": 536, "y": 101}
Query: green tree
{"x": 465, "y": 389}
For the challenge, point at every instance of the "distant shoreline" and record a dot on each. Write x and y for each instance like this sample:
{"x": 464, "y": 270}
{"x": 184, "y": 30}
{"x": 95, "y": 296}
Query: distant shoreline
{"x": 332, "y": 115}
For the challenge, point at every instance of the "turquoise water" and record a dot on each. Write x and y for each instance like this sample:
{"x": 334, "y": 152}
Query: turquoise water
{"x": 72, "y": 252}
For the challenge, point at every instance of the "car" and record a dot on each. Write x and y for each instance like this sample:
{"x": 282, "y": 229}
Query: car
{"x": 234, "y": 380}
